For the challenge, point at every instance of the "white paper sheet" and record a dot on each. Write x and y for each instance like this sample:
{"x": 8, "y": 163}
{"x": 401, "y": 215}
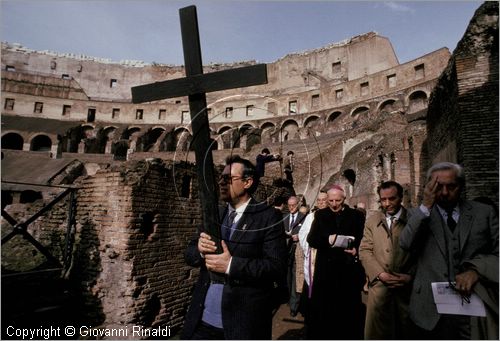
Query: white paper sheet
{"x": 342, "y": 241}
{"x": 448, "y": 301}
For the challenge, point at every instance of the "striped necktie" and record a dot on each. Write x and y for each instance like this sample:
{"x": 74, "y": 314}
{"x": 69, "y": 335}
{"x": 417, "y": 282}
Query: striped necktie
{"x": 228, "y": 225}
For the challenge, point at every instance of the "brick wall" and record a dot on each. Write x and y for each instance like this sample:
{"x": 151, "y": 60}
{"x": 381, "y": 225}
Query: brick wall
{"x": 463, "y": 109}
{"x": 134, "y": 225}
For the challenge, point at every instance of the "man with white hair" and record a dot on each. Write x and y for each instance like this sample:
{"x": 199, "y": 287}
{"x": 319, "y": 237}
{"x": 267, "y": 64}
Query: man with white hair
{"x": 457, "y": 242}
{"x": 335, "y": 308}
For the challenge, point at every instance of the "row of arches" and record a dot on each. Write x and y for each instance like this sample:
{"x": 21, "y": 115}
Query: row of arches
{"x": 89, "y": 139}
{"x": 417, "y": 100}
{"x": 38, "y": 143}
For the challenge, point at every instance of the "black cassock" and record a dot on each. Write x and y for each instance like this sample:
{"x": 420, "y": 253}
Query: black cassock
{"x": 335, "y": 310}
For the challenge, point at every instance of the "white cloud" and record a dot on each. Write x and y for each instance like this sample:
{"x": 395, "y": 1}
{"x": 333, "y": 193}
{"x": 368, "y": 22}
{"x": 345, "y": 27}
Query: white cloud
{"x": 398, "y": 6}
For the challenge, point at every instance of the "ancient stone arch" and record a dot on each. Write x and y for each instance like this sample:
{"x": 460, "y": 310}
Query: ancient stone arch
{"x": 223, "y": 129}
{"x": 289, "y": 130}
{"x": 182, "y": 138}
{"x": 267, "y": 129}
{"x": 417, "y": 101}
{"x": 360, "y": 111}
{"x": 109, "y": 138}
{"x": 12, "y": 141}
{"x": 359, "y": 115}
{"x": 247, "y": 136}
{"x": 333, "y": 116}
{"x": 225, "y": 135}
{"x": 40, "y": 143}
{"x": 150, "y": 141}
{"x": 309, "y": 121}
{"x": 247, "y": 125}
{"x": 388, "y": 105}
{"x": 129, "y": 132}
{"x": 128, "y": 139}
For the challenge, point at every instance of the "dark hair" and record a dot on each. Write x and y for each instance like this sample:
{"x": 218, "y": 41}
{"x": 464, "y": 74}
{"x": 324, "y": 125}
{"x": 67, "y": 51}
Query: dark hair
{"x": 265, "y": 151}
{"x": 290, "y": 153}
{"x": 389, "y": 184}
{"x": 278, "y": 201}
{"x": 248, "y": 169}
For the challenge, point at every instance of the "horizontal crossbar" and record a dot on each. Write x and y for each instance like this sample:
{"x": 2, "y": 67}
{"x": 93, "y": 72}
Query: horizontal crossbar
{"x": 209, "y": 82}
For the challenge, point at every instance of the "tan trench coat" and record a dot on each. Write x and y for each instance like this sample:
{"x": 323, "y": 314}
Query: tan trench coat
{"x": 387, "y": 315}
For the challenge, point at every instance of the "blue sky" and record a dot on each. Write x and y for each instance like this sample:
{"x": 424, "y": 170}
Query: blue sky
{"x": 149, "y": 30}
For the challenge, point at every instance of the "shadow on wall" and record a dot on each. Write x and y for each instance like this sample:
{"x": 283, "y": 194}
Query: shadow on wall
{"x": 83, "y": 277}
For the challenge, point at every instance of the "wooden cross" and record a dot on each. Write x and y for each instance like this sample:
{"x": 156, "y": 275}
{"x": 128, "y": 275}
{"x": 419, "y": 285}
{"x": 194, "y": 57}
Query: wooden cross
{"x": 195, "y": 85}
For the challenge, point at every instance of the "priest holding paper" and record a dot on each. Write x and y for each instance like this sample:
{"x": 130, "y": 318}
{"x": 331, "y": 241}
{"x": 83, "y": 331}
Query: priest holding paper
{"x": 335, "y": 310}
{"x": 457, "y": 243}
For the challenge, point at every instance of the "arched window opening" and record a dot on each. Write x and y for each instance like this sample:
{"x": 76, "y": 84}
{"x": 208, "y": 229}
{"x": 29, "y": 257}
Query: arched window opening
{"x": 41, "y": 143}
{"x": 310, "y": 121}
{"x": 12, "y": 141}
{"x": 360, "y": 111}
{"x": 334, "y": 115}
{"x": 388, "y": 106}
{"x": 289, "y": 130}
{"x": 417, "y": 101}
{"x": 350, "y": 175}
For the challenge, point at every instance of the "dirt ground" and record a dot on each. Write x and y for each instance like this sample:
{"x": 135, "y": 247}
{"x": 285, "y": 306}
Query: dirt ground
{"x": 286, "y": 327}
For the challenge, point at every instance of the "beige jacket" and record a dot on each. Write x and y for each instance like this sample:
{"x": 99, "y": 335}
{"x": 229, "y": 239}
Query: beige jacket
{"x": 387, "y": 313}
{"x": 379, "y": 250}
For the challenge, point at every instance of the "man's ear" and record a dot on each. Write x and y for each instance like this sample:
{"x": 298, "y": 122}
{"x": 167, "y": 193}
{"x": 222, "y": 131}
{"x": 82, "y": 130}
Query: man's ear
{"x": 249, "y": 183}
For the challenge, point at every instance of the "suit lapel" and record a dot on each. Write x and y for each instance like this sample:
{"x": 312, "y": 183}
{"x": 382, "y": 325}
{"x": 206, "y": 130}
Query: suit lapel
{"x": 383, "y": 224}
{"x": 245, "y": 221}
{"x": 298, "y": 221}
{"x": 464, "y": 224}
{"x": 400, "y": 223}
{"x": 437, "y": 230}
{"x": 287, "y": 222}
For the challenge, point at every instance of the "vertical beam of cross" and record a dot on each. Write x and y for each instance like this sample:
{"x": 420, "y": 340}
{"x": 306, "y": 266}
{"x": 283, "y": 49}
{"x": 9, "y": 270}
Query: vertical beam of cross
{"x": 199, "y": 124}
{"x": 195, "y": 85}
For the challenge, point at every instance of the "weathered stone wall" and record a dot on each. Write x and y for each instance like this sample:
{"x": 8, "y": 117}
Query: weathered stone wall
{"x": 134, "y": 223}
{"x": 296, "y": 77}
{"x": 463, "y": 109}
{"x": 386, "y": 149}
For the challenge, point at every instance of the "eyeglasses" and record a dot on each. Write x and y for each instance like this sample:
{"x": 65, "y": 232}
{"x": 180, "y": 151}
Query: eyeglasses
{"x": 226, "y": 178}
{"x": 465, "y": 298}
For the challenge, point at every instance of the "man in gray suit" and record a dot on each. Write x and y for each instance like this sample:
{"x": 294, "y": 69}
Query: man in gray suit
{"x": 456, "y": 241}
{"x": 293, "y": 223}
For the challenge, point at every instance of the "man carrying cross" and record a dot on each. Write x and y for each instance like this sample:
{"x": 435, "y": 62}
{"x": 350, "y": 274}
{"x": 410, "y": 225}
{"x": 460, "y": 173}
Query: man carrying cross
{"x": 240, "y": 262}
{"x": 253, "y": 260}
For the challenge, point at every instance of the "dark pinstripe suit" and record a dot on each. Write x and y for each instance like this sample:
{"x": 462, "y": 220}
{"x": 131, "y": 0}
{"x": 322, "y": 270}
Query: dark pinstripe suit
{"x": 259, "y": 259}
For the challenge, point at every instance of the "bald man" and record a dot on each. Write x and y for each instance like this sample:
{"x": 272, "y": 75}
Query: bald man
{"x": 335, "y": 310}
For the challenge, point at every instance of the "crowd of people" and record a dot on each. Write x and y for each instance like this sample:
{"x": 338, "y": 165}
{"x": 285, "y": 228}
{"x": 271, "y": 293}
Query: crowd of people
{"x": 321, "y": 261}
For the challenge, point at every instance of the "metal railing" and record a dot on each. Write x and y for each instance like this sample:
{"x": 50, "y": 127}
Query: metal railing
{"x": 21, "y": 228}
